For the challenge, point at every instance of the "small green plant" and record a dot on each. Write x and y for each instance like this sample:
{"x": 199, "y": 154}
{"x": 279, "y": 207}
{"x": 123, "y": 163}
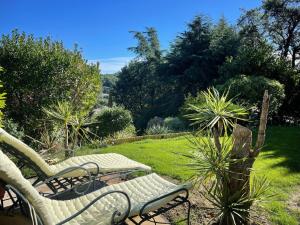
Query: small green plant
{"x": 157, "y": 129}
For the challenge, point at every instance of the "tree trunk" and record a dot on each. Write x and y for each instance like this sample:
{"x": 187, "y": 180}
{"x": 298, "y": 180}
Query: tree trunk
{"x": 243, "y": 158}
{"x": 67, "y": 150}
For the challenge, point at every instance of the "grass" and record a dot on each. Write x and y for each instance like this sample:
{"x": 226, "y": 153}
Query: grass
{"x": 279, "y": 162}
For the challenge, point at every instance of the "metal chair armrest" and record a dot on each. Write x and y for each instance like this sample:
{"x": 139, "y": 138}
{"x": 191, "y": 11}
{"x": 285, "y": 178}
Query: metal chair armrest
{"x": 69, "y": 170}
{"x": 141, "y": 213}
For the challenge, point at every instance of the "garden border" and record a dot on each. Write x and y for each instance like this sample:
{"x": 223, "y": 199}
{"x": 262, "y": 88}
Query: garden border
{"x": 139, "y": 138}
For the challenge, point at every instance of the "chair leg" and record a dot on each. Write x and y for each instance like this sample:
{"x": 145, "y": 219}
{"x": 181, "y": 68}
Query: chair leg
{"x": 188, "y": 212}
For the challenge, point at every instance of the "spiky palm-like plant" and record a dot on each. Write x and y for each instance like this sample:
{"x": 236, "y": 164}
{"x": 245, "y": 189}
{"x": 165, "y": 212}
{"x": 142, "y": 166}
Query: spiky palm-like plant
{"x": 72, "y": 123}
{"x": 227, "y": 162}
{"x": 217, "y": 113}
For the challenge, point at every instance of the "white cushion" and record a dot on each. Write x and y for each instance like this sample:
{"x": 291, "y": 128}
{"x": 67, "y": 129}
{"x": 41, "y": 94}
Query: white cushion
{"x": 140, "y": 190}
{"x": 110, "y": 162}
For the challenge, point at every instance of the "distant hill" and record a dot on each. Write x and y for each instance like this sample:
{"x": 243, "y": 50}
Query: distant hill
{"x": 109, "y": 80}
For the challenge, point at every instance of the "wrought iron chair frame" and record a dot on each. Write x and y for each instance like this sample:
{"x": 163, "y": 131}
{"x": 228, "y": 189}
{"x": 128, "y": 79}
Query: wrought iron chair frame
{"x": 177, "y": 201}
{"x": 23, "y": 200}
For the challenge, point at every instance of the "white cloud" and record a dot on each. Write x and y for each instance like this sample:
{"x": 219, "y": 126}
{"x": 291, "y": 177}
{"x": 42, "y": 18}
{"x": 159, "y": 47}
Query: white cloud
{"x": 111, "y": 65}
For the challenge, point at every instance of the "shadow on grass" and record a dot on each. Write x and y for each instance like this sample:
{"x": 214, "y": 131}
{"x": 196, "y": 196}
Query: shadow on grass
{"x": 283, "y": 142}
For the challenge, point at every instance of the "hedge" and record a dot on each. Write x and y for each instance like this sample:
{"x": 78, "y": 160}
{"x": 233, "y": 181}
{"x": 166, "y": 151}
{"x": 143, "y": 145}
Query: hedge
{"x": 139, "y": 138}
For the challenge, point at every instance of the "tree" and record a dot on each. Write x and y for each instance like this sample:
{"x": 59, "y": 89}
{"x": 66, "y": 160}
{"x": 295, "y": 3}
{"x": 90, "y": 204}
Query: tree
{"x": 139, "y": 87}
{"x": 196, "y": 55}
{"x": 189, "y": 58}
{"x": 281, "y": 20}
{"x": 227, "y": 162}
{"x": 224, "y": 44}
{"x": 39, "y": 72}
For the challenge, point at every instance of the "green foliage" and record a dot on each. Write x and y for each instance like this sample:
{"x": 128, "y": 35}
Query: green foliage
{"x": 189, "y": 57}
{"x": 13, "y": 128}
{"x": 157, "y": 129}
{"x": 109, "y": 80}
{"x": 215, "y": 160}
{"x": 2, "y": 102}
{"x": 110, "y": 121}
{"x": 217, "y": 109}
{"x": 249, "y": 89}
{"x": 279, "y": 162}
{"x": 281, "y": 21}
{"x": 40, "y": 72}
{"x": 155, "y": 121}
{"x": 206, "y": 161}
{"x": 140, "y": 87}
{"x": 66, "y": 120}
{"x": 128, "y": 132}
{"x": 231, "y": 210}
{"x": 174, "y": 124}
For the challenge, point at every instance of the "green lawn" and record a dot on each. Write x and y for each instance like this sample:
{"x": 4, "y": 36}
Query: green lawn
{"x": 279, "y": 161}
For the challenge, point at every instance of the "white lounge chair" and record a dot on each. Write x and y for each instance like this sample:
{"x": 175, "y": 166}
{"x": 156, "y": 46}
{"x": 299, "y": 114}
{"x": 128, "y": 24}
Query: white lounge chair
{"x": 145, "y": 196}
{"x": 71, "y": 168}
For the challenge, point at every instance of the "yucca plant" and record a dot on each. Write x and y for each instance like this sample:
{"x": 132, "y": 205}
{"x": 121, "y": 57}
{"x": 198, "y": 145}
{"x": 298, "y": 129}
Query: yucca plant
{"x": 223, "y": 163}
{"x": 64, "y": 117}
{"x": 217, "y": 113}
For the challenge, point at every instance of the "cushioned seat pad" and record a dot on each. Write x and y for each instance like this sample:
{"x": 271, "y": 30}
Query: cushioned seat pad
{"x": 140, "y": 190}
{"x": 110, "y": 162}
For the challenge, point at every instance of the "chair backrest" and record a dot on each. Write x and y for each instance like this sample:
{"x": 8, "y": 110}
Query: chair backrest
{"x": 24, "y": 150}
{"x": 10, "y": 174}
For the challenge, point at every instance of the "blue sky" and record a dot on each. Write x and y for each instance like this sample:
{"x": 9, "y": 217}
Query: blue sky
{"x": 101, "y": 27}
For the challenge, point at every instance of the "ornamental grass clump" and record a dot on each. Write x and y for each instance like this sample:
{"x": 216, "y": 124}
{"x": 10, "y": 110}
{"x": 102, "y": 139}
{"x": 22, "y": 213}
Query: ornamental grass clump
{"x": 223, "y": 160}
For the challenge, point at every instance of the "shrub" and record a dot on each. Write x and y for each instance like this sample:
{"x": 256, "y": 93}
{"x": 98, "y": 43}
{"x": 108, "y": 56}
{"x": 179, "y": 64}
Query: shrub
{"x": 40, "y": 71}
{"x": 13, "y": 128}
{"x": 157, "y": 129}
{"x": 128, "y": 132}
{"x": 155, "y": 121}
{"x": 174, "y": 124}
{"x": 110, "y": 121}
{"x": 249, "y": 89}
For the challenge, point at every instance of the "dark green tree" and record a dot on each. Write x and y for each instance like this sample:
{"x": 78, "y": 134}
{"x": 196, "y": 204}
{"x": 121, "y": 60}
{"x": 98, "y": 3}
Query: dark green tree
{"x": 189, "y": 58}
{"x": 140, "y": 88}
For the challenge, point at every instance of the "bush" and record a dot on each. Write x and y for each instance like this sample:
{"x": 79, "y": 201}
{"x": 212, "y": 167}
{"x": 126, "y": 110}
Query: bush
{"x": 156, "y": 121}
{"x": 110, "y": 121}
{"x": 13, "y": 128}
{"x": 38, "y": 72}
{"x": 157, "y": 129}
{"x": 250, "y": 89}
{"x": 174, "y": 124}
{"x": 128, "y": 132}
